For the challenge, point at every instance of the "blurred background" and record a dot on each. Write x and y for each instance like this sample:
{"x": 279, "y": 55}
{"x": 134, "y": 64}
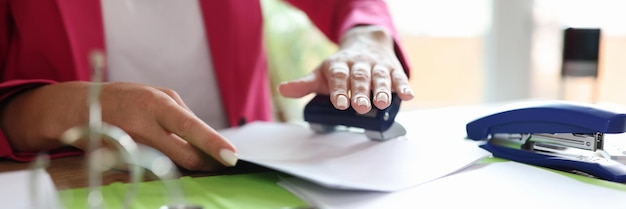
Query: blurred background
{"x": 470, "y": 52}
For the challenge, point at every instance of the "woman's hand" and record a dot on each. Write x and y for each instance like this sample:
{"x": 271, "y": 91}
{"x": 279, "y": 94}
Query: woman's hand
{"x": 365, "y": 63}
{"x": 157, "y": 117}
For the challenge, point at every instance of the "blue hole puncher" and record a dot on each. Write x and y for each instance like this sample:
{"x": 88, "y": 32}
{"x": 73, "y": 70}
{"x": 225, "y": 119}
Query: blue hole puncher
{"x": 559, "y": 135}
{"x": 378, "y": 124}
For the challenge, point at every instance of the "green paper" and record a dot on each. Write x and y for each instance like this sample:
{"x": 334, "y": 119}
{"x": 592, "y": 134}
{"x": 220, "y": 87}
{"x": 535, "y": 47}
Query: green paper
{"x": 258, "y": 190}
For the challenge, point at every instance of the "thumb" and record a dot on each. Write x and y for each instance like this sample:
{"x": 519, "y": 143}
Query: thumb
{"x": 310, "y": 83}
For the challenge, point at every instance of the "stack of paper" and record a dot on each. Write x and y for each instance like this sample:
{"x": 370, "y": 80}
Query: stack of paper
{"x": 496, "y": 185}
{"x": 348, "y": 160}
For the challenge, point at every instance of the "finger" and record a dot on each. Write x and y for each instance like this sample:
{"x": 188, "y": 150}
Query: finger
{"x": 381, "y": 85}
{"x": 400, "y": 84}
{"x": 175, "y": 96}
{"x": 177, "y": 120}
{"x": 310, "y": 83}
{"x": 337, "y": 75}
{"x": 179, "y": 150}
{"x": 360, "y": 80}
{"x": 182, "y": 152}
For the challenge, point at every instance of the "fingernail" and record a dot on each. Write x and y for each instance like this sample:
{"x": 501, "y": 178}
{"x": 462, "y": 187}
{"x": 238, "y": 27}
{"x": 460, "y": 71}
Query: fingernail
{"x": 361, "y": 101}
{"x": 342, "y": 101}
{"x": 407, "y": 91}
{"x": 229, "y": 157}
{"x": 382, "y": 97}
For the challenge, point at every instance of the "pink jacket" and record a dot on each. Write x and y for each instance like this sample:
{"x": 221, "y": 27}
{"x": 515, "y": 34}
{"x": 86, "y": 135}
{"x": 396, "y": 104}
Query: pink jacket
{"x": 47, "y": 41}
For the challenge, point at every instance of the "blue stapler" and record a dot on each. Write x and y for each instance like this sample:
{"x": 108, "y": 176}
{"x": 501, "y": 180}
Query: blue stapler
{"x": 378, "y": 124}
{"x": 559, "y": 135}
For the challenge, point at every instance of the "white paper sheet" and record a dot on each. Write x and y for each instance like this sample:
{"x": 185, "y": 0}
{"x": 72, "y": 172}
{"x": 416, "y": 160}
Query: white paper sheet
{"x": 28, "y": 189}
{"x": 496, "y": 185}
{"x": 348, "y": 160}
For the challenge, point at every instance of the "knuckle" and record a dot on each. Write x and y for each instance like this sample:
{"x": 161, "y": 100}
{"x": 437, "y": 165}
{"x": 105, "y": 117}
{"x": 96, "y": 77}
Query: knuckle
{"x": 360, "y": 74}
{"x": 362, "y": 57}
{"x": 170, "y": 93}
{"x": 149, "y": 96}
{"x": 341, "y": 55}
{"x": 339, "y": 86}
{"x": 192, "y": 161}
{"x": 185, "y": 125}
{"x": 338, "y": 57}
{"x": 379, "y": 72}
{"x": 398, "y": 76}
{"x": 381, "y": 84}
{"x": 401, "y": 83}
{"x": 339, "y": 73}
{"x": 146, "y": 95}
{"x": 399, "y": 80}
{"x": 360, "y": 88}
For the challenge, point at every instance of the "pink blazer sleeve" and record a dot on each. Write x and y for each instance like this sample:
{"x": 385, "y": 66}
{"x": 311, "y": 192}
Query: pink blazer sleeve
{"x": 335, "y": 17}
{"x": 9, "y": 88}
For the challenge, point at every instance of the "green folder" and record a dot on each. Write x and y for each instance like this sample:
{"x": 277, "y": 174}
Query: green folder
{"x": 241, "y": 191}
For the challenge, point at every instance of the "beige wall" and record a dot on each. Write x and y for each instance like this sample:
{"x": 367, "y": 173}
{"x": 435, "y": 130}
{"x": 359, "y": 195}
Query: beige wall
{"x": 444, "y": 71}
{"x": 612, "y": 78}
{"x": 449, "y": 71}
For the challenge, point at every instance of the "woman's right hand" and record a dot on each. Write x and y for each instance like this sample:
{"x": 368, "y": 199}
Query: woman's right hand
{"x": 157, "y": 117}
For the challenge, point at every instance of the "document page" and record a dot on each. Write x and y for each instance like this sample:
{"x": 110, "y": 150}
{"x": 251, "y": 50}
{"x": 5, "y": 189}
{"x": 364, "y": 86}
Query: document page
{"x": 494, "y": 185}
{"x": 349, "y": 160}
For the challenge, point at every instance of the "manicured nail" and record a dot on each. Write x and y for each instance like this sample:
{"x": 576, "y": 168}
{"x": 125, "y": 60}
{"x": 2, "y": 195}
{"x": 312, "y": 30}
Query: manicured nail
{"x": 229, "y": 157}
{"x": 361, "y": 101}
{"x": 342, "y": 101}
{"x": 382, "y": 97}
{"x": 407, "y": 91}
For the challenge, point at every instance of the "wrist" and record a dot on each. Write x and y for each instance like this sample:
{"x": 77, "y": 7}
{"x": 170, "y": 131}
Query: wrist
{"x": 369, "y": 34}
{"x": 12, "y": 121}
{"x": 34, "y": 119}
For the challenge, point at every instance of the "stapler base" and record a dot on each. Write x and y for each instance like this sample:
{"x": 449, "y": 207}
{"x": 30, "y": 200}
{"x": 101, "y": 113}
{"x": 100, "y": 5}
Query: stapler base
{"x": 396, "y": 130}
